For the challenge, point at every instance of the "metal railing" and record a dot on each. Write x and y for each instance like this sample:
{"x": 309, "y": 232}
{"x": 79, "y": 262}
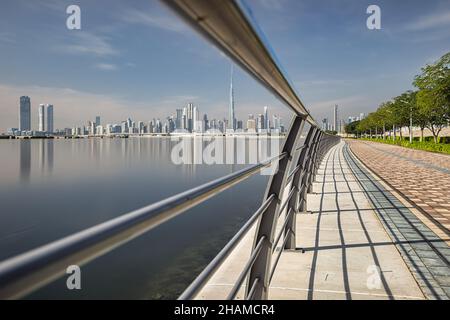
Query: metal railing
{"x": 229, "y": 26}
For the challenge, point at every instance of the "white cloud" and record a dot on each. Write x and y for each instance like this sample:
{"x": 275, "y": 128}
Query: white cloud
{"x": 88, "y": 43}
{"x": 159, "y": 20}
{"x": 436, "y": 20}
{"x": 106, "y": 66}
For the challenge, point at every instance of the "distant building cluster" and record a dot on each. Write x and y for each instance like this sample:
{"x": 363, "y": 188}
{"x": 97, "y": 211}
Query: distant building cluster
{"x": 338, "y": 124}
{"x": 356, "y": 118}
{"x": 185, "y": 120}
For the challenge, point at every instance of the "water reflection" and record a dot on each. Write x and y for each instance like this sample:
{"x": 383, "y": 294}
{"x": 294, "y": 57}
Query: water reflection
{"x": 25, "y": 160}
{"x": 73, "y": 184}
{"x": 50, "y": 156}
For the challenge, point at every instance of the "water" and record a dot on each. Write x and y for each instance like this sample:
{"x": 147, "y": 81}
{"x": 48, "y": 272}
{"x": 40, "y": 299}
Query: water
{"x": 52, "y": 188}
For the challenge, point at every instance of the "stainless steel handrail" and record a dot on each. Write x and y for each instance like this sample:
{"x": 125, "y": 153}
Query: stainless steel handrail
{"x": 230, "y": 26}
{"x": 277, "y": 238}
{"x": 246, "y": 269}
{"x": 26, "y": 272}
{"x": 206, "y": 274}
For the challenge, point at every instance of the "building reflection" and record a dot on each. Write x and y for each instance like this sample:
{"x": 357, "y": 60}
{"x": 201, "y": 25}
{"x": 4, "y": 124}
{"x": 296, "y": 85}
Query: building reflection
{"x": 50, "y": 155}
{"x": 25, "y": 160}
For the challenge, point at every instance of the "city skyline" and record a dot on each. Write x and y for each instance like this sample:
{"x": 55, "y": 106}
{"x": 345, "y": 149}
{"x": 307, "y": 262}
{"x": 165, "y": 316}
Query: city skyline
{"x": 186, "y": 119}
{"x": 95, "y": 68}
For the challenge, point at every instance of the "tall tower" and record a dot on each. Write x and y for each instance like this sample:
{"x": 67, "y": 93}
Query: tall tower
{"x": 231, "y": 117}
{"x": 41, "y": 117}
{"x": 266, "y": 118}
{"x": 50, "y": 128}
{"x": 25, "y": 114}
{"x": 335, "y": 119}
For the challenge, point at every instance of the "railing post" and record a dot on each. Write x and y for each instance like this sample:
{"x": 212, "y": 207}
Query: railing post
{"x": 313, "y": 161}
{"x": 293, "y": 202}
{"x": 324, "y": 141}
{"x": 303, "y": 187}
{"x": 266, "y": 225}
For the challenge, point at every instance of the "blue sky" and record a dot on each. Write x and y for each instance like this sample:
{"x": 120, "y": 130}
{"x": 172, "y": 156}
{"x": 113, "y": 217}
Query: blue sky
{"x": 135, "y": 58}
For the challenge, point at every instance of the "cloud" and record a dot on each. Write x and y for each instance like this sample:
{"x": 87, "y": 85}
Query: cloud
{"x": 88, "y": 43}
{"x": 160, "y": 20}
{"x": 436, "y": 20}
{"x": 106, "y": 66}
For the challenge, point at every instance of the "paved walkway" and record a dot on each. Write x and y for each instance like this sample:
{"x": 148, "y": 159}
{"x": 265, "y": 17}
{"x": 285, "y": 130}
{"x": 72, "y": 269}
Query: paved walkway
{"x": 358, "y": 242}
{"x": 422, "y": 177}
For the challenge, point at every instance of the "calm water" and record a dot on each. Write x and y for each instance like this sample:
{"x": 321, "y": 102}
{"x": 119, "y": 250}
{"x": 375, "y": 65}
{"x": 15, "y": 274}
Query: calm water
{"x": 52, "y": 188}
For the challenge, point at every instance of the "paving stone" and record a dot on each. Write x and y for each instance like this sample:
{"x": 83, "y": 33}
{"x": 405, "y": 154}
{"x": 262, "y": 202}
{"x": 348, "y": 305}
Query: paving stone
{"x": 430, "y": 269}
{"x": 427, "y": 173}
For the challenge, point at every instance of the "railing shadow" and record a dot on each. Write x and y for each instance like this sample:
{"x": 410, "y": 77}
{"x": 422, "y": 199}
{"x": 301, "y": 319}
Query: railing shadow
{"x": 357, "y": 170}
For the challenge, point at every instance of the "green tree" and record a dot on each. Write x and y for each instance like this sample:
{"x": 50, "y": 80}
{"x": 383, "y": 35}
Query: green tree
{"x": 433, "y": 98}
{"x": 351, "y": 128}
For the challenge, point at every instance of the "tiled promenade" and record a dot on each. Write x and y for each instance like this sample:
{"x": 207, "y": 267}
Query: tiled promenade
{"x": 422, "y": 177}
{"x": 357, "y": 241}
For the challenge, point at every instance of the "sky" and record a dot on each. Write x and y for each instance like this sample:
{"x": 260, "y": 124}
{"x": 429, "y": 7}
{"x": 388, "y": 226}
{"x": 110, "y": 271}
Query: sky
{"x": 136, "y": 59}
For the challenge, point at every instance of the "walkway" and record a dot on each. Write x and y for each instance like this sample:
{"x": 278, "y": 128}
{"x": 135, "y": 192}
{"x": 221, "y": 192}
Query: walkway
{"x": 422, "y": 177}
{"x": 357, "y": 242}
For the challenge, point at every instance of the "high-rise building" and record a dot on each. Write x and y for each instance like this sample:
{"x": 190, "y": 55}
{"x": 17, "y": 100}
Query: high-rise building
{"x": 325, "y": 124}
{"x": 25, "y": 114}
{"x": 50, "y": 127}
{"x": 251, "y": 123}
{"x": 205, "y": 122}
{"x": 179, "y": 118}
{"x": 190, "y": 117}
{"x": 97, "y": 121}
{"x": 141, "y": 126}
{"x": 196, "y": 120}
{"x": 41, "y": 117}
{"x": 276, "y": 122}
{"x": 260, "y": 122}
{"x": 171, "y": 124}
{"x": 129, "y": 125}
{"x": 335, "y": 119}
{"x": 231, "y": 116}
{"x": 266, "y": 118}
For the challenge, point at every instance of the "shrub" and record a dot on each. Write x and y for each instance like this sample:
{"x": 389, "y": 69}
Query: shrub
{"x": 426, "y": 145}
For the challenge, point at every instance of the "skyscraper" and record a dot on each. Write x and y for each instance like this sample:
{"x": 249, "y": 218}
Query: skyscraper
{"x": 251, "y": 123}
{"x": 97, "y": 121}
{"x": 41, "y": 117}
{"x": 179, "y": 118}
{"x": 25, "y": 114}
{"x": 231, "y": 117}
{"x": 266, "y": 118}
{"x": 335, "y": 119}
{"x": 325, "y": 124}
{"x": 260, "y": 122}
{"x": 190, "y": 117}
{"x": 196, "y": 120}
{"x": 50, "y": 127}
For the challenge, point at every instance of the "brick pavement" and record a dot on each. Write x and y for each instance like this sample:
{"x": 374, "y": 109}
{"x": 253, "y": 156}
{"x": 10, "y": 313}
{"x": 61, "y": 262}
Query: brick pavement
{"x": 422, "y": 177}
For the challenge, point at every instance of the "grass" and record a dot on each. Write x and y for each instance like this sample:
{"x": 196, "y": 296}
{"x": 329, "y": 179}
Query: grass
{"x": 419, "y": 145}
